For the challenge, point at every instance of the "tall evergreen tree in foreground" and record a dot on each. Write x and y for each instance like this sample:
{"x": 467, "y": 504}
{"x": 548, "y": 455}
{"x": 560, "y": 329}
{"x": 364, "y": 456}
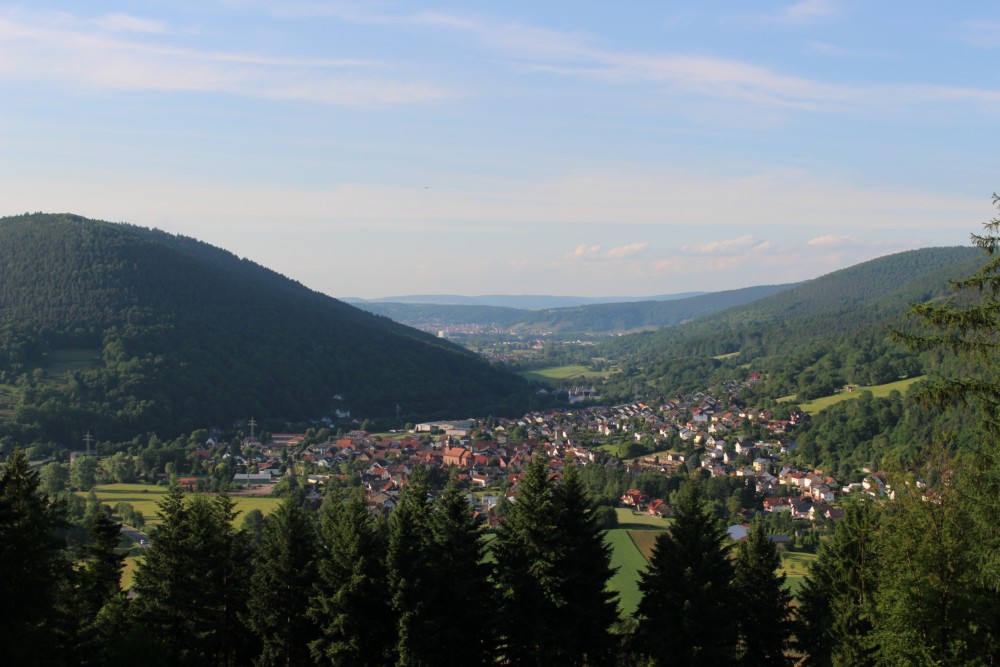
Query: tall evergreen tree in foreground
{"x": 687, "y": 612}
{"x": 192, "y": 586}
{"x": 350, "y": 602}
{"x": 283, "y": 574}
{"x": 552, "y": 570}
{"x": 464, "y": 596}
{"x": 837, "y": 599}
{"x": 31, "y": 562}
{"x": 764, "y": 618}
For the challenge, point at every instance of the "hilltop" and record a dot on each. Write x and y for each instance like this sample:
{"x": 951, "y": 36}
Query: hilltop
{"x": 167, "y": 333}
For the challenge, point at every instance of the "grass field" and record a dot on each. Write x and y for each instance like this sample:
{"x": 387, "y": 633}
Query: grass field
{"x": 145, "y": 498}
{"x": 66, "y": 360}
{"x": 634, "y": 521}
{"x": 563, "y": 373}
{"x": 881, "y": 390}
{"x": 629, "y": 562}
{"x": 796, "y": 567}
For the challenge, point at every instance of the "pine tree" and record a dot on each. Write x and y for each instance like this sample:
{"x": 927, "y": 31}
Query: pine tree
{"x": 411, "y": 563}
{"x": 96, "y": 584}
{"x": 837, "y": 599}
{"x": 32, "y": 564}
{"x": 192, "y": 586}
{"x": 284, "y": 571}
{"x": 933, "y": 608}
{"x": 464, "y": 596}
{"x": 765, "y": 625}
{"x": 552, "y": 570}
{"x": 589, "y": 609}
{"x": 350, "y": 603}
{"x": 687, "y": 614}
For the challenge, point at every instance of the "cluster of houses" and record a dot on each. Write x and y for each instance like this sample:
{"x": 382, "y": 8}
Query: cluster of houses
{"x": 489, "y": 457}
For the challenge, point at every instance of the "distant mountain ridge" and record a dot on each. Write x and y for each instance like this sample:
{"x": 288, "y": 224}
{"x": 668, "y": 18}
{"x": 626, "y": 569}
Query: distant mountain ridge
{"x": 182, "y": 335}
{"x": 595, "y": 318}
{"x": 520, "y": 302}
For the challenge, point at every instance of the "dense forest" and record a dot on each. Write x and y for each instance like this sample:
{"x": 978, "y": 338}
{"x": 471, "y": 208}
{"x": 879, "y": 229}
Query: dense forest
{"x": 119, "y": 330}
{"x": 807, "y": 341}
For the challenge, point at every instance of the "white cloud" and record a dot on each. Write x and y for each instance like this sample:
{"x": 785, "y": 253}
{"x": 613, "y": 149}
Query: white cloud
{"x": 584, "y": 251}
{"x": 833, "y": 240}
{"x": 32, "y": 50}
{"x": 808, "y": 10}
{"x": 126, "y": 23}
{"x": 723, "y": 246}
{"x": 630, "y": 250}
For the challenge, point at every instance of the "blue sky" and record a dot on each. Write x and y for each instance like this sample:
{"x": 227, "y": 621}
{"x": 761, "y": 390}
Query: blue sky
{"x": 575, "y": 148}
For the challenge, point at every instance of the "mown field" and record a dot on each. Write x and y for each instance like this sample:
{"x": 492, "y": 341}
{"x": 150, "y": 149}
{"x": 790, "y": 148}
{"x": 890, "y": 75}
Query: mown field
{"x": 881, "y": 390}
{"x": 563, "y": 373}
{"x": 145, "y": 498}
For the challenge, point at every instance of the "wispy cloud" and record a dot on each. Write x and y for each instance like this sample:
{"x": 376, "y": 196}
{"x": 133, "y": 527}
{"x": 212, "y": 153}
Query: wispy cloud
{"x": 807, "y": 11}
{"x": 626, "y": 251}
{"x": 31, "y": 48}
{"x": 980, "y": 33}
{"x": 127, "y": 23}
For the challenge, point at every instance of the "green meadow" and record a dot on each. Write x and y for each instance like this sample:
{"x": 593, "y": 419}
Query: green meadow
{"x": 146, "y": 497}
{"x": 556, "y": 373}
{"x": 878, "y": 391}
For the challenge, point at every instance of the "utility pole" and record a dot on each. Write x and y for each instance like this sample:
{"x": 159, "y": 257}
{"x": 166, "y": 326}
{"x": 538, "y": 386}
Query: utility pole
{"x": 88, "y": 439}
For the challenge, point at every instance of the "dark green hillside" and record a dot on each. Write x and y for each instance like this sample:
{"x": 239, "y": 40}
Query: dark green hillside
{"x": 809, "y": 340}
{"x": 183, "y": 334}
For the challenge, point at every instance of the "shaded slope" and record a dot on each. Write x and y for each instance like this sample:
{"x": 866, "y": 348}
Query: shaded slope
{"x": 192, "y": 335}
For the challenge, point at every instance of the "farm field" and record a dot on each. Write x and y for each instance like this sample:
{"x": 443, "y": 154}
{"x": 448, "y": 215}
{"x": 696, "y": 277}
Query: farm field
{"x": 796, "y": 567}
{"x": 635, "y": 521}
{"x": 145, "y": 498}
{"x": 629, "y": 562}
{"x": 563, "y": 373}
{"x": 878, "y": 391}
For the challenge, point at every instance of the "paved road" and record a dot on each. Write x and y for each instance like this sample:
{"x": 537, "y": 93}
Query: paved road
{"x": 136, "y": 536}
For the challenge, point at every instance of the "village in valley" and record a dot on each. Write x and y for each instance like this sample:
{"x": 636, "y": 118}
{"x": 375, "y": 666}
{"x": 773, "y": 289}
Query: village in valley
{"x": 697, "y": 434}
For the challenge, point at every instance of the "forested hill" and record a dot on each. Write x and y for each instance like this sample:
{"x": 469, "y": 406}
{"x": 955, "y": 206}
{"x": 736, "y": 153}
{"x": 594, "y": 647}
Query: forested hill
{"x": 808, "y": 340}
{"x": 119, "y": 329}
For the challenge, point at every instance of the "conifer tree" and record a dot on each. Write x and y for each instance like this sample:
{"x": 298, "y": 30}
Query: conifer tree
{"x": 350, "y": 602}
{"x": 283, "y": 573}
{"x": 465, "y": 601}
{"x": 32, "y": 564}
{"x": 764, "y": 614}
{"x": 589, "y": 609}
{"x": 837, "y": 599}
{"x": 933, "y": 608}
{"x": 192, "y": 586}
{"x": 411, "y": 568}
{"x": 96, "y": 584}
{"x": 552, "y": 569}
{"x": 686, "y": 615}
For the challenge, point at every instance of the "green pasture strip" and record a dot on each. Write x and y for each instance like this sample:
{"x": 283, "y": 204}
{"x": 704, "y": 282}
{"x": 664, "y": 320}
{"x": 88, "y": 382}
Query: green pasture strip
{"x": 878, "y": 391}
{"x": 720, "y": 357}
{"x": 630, "y": 563}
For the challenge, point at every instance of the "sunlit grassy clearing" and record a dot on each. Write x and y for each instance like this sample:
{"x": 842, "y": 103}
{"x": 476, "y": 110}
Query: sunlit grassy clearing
{"x": 563, "y": 373}
{"x": 720, "y": 357}
{"x": 639, "y": 521}
{"x": 878, "y": 391}
{"x": 629, "y": 562}
{"x": 146, "y": 497}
